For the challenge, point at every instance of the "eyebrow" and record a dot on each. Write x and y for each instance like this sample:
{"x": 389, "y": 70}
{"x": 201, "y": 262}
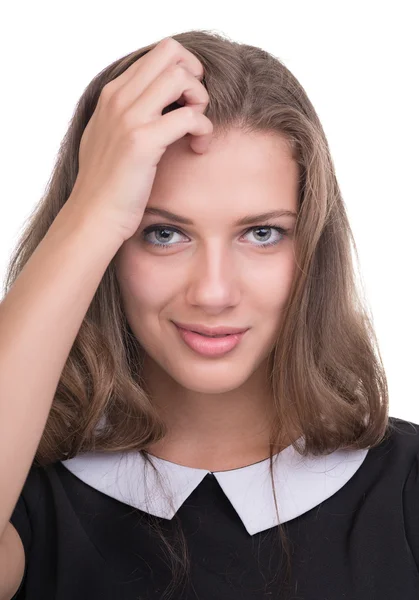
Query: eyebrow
{"x": 247, "y": 220}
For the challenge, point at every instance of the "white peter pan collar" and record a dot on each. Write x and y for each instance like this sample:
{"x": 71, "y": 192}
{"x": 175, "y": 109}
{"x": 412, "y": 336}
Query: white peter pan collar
{"x": 300, "y": 483}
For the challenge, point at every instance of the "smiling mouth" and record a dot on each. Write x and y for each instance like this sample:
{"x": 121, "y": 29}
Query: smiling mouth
{"x": 212, "y": 346}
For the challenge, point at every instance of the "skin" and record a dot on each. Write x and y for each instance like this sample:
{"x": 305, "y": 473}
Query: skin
{"x": 218, "y": 410}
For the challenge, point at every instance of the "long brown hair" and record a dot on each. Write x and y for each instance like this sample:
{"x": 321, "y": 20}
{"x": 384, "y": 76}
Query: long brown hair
{"x": 326, "y": 371}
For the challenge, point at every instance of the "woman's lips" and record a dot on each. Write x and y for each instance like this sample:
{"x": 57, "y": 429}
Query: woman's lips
{"x": 210, "y": 346}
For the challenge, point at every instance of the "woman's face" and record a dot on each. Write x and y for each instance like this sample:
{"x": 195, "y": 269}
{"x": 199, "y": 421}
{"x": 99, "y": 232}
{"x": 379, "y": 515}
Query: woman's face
{"x": 212, "y": 272}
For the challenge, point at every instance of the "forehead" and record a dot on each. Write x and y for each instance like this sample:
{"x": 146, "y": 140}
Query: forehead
{"x": 239, "y": 172}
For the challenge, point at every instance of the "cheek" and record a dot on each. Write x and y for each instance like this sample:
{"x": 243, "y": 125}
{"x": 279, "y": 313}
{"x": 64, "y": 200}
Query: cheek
{"x": 142, "y": 285}
{"x": 271, "y": 281}
{"x": 271, "y": 290}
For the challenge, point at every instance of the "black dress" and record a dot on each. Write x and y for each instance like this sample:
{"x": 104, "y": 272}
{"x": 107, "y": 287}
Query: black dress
{"x": 351, "y": 519}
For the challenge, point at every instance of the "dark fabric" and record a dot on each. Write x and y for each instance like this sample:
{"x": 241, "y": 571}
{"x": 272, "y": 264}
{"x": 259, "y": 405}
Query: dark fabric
{"x": 361, "y": 543}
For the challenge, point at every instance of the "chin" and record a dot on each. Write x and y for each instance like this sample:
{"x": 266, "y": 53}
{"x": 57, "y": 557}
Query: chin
{"x": 211, "y": 377}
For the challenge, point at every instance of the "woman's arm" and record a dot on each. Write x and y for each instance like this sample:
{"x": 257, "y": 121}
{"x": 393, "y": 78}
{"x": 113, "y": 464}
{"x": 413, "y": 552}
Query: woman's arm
{"x": 39, "y": 321}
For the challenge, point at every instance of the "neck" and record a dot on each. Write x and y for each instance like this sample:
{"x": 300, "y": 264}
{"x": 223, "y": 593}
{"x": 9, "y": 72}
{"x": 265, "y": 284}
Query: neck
{"x": 212, "y": 431}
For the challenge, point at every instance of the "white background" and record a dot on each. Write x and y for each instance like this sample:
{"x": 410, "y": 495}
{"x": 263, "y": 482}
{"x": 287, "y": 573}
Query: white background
{"x": 358, "y": 62}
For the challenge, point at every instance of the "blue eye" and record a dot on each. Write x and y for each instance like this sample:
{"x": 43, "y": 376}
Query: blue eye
{"x": 166, "y": 234}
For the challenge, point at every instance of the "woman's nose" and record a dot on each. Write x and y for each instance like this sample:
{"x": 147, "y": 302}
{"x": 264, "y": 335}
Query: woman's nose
{"x": 214, "y": 280}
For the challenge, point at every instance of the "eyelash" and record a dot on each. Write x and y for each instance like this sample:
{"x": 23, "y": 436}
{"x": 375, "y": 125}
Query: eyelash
{"x": 152, "y": 228}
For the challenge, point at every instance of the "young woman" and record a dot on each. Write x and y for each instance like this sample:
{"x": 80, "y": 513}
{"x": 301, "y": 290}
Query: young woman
{"x": 192, "y": 399}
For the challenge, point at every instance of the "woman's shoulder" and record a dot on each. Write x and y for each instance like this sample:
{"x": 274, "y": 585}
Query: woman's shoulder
{"x": 395, "y": 456}
{"x": 402, "y": 437}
